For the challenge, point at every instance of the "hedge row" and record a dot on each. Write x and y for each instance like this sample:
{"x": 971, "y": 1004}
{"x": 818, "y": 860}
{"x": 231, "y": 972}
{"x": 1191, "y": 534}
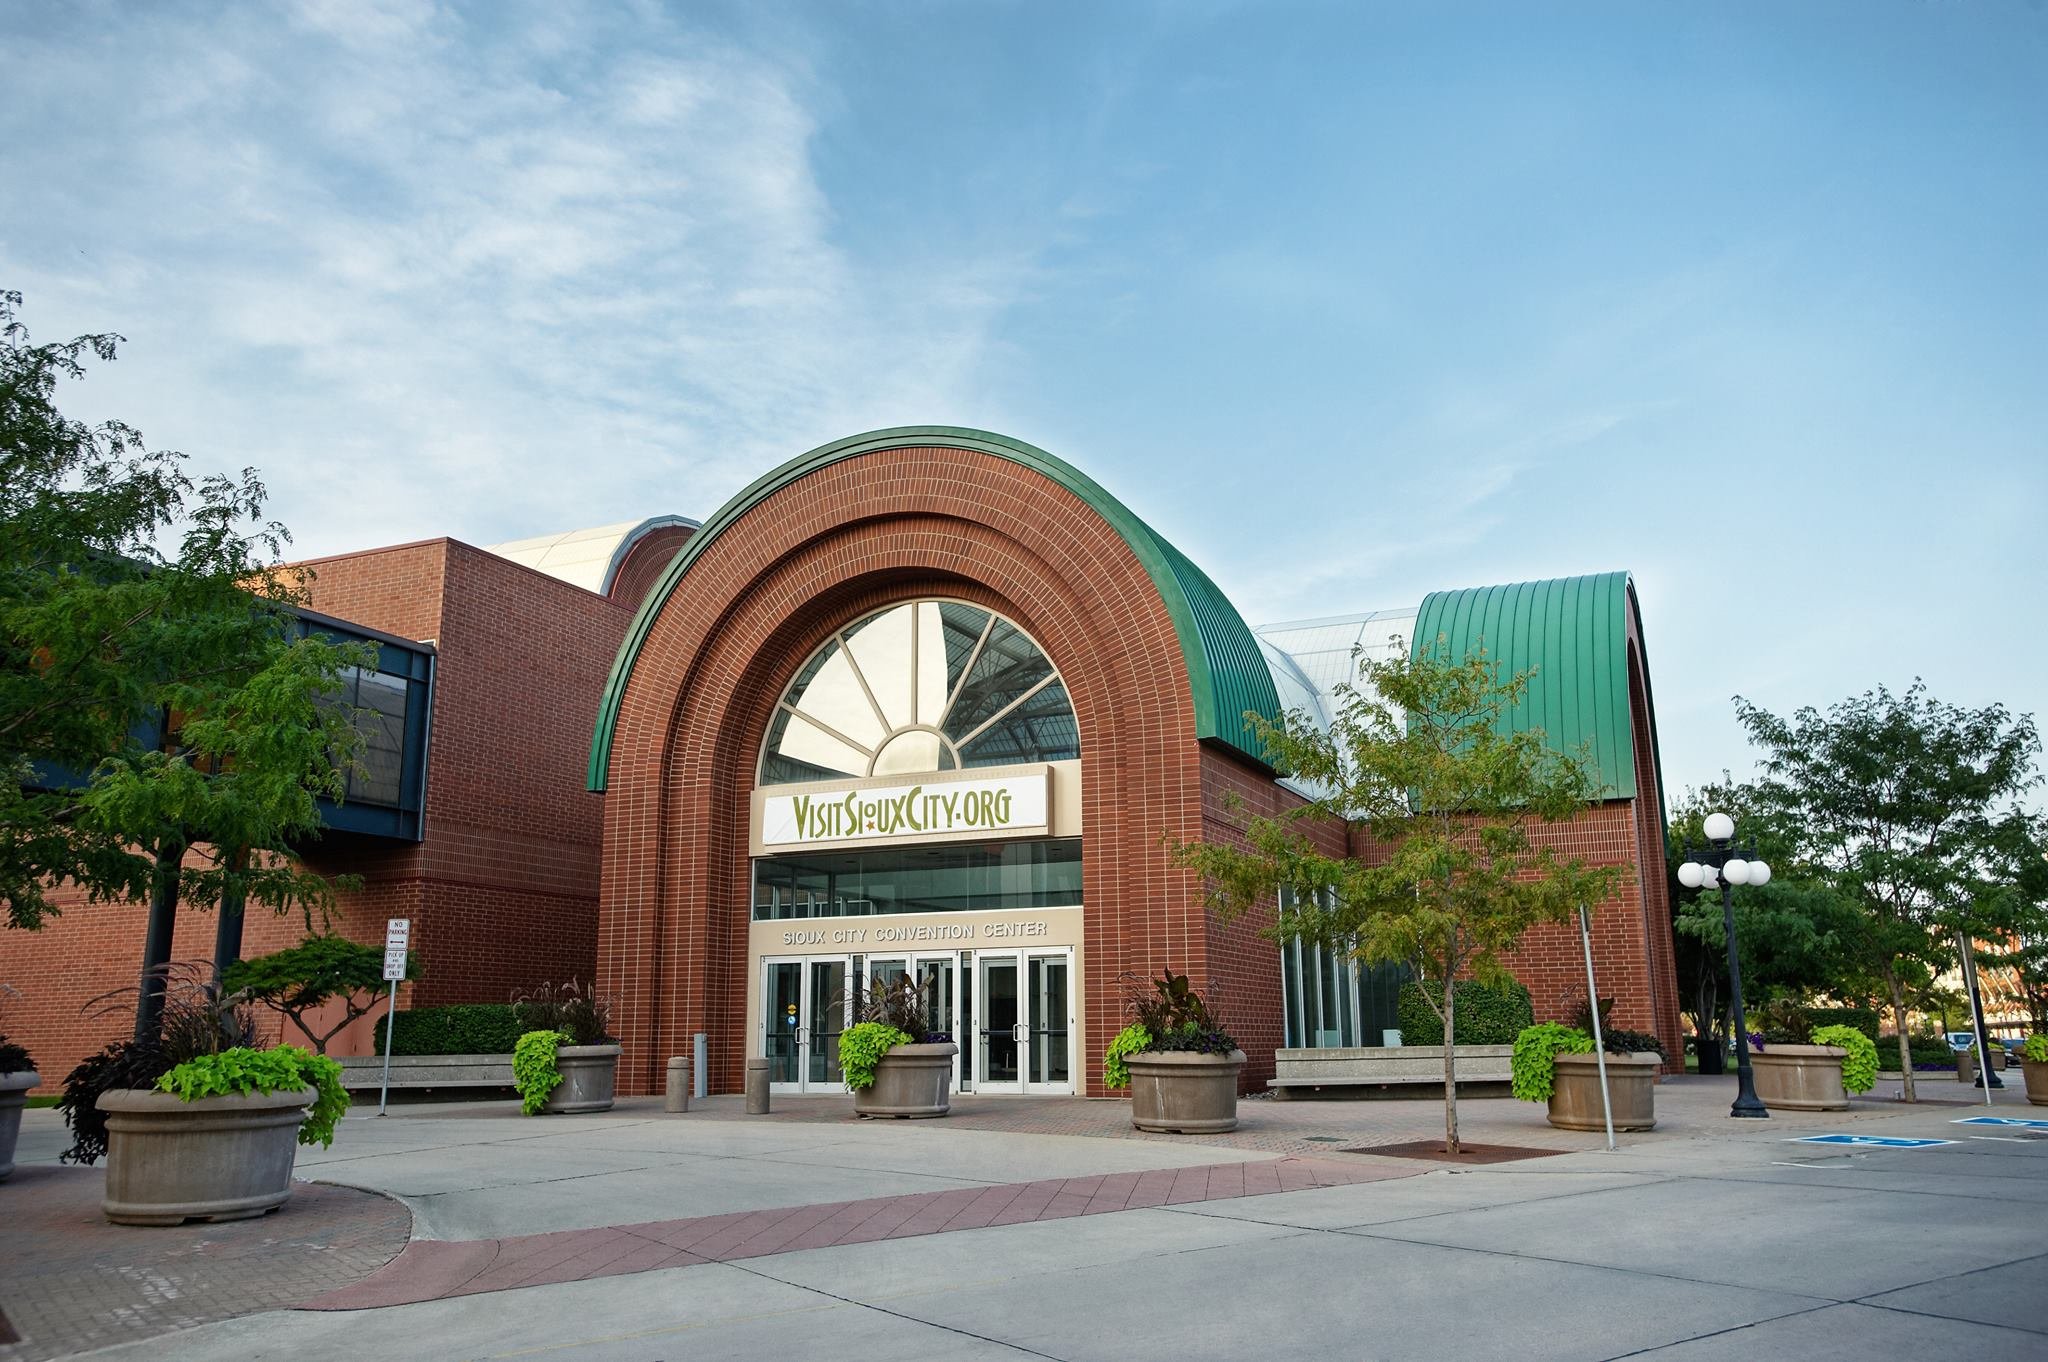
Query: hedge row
{"x": 1485, "y": 1016}
{"x": 457, "y": 1029}
{"x": 1863, "y": 1019}
{"x": 1929, "y": 1052}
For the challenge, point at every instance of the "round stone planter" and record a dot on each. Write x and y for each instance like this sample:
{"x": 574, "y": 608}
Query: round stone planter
{"x": 1800, "y": 1077}
{"x": 1184, "y": 1094}
{"x": 911, "y": 1082}
{"x": 590, "y": 1079}
{"x": 1575, "y": 1092}
{"x": 216, "y": 1158}
{"x": 13, "y": 1097}
{"x": 2037, "y": 1082}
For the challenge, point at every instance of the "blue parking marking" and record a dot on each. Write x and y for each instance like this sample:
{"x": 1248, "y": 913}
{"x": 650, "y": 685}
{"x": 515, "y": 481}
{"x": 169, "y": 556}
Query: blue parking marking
{"x": 1876, "y": 1141}
{"x": 2020, "y": 1121}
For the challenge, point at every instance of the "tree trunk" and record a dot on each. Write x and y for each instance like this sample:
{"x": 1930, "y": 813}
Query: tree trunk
{"x": 227, "y": 931}
{"x": 156, "y": 943}
{"x": 1898, "y": 996}
{"x": 1451, "y": 1066}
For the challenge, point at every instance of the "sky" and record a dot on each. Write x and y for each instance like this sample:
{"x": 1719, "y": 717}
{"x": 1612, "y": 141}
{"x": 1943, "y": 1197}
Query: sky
{"x": 1351, "y": 302}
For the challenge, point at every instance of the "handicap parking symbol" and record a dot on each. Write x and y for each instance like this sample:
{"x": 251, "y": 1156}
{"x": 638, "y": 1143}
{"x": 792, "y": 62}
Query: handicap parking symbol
{"x": 1871, "y": 1141}
{"x": 2022, "y": 1122}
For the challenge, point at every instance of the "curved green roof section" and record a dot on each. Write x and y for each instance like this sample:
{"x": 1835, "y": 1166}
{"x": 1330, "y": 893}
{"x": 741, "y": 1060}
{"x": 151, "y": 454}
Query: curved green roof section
{"x": 1226, "y": 671}
{"x": 1573, "y": 631}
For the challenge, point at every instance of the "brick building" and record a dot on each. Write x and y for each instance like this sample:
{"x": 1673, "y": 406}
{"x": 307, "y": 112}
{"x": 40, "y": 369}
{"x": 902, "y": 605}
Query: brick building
{"x": 924, "y": 702}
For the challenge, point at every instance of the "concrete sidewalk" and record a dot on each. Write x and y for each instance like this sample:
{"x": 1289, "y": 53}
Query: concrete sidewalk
{"x": 1706, "y": 1238}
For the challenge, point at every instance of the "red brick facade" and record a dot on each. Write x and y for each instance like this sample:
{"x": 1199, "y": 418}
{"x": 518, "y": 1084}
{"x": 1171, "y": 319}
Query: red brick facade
{"x": 503, "y": 891}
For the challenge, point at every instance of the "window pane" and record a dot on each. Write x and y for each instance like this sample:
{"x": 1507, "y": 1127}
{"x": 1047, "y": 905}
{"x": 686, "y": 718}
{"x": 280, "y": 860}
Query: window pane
{"x": 936, "y": 879}
{"x": 798, "y": 751}
{"x": 1010, "y": 664}
{"x": 1040, "y": 729}
{"x": 881, "y": 645}
{"x": 829, "y": 692}
{"x": 380, "y": 719}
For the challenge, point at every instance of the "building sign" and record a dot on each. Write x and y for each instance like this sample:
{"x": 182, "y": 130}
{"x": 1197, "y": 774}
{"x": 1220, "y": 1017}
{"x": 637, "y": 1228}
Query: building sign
{"x": 915, "y": 934}
{"x": 935, "y": 809}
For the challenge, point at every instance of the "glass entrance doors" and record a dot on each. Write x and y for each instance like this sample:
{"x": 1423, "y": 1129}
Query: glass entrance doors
{"x": 804, "y": 1008}
{"x": 1010, "y": 1012}
{"x": 1023, "y": 1021}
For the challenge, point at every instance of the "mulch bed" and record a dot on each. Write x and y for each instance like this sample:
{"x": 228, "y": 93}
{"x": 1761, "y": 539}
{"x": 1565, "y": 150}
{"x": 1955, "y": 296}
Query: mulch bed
{"x": 1468, "y": 1152}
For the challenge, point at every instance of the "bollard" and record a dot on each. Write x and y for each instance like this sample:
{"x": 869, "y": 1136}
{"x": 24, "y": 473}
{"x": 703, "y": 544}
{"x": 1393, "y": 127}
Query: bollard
{"x": 678, "y": 1095}
{"x": 757, "y": 1087}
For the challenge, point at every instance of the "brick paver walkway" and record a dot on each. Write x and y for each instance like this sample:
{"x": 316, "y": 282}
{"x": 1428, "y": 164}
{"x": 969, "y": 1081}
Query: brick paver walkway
{"x": 71, "y": 1282}
{"x": 432, "y": 1269}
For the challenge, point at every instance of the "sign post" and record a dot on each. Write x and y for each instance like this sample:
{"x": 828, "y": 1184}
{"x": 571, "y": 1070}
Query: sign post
{"x": 1599, "y": 1041}
{"x": 397, "y": 933}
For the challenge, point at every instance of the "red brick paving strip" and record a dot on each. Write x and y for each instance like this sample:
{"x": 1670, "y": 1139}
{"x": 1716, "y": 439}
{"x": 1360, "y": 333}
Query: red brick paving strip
{"x": 433, "y": 1270}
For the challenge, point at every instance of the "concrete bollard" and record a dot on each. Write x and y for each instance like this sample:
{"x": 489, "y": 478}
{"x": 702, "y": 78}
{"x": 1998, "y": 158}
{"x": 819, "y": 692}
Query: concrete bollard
{"x": 677, "y": 1097}
{"x": 757, "y": 1086}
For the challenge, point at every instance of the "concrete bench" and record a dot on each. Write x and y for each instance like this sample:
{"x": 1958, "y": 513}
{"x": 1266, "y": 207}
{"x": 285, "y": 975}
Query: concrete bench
{"x": 1384, "y": 1066}
{"x": 427, "y": 1071}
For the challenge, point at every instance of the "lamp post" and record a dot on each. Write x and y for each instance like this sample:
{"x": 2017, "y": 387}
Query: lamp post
{"x": 1721, "y": 863}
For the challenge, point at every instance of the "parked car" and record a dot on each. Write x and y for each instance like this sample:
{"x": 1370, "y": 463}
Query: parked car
{"x": 1960, "y": 1041}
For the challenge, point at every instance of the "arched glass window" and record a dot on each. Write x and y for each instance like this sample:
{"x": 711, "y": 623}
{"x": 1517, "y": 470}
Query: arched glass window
{"x": 924, "y": 686}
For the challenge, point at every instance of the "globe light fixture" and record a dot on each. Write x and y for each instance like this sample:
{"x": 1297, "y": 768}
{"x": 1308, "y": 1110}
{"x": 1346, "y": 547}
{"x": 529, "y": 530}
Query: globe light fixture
{"x": 1720, "y": 865}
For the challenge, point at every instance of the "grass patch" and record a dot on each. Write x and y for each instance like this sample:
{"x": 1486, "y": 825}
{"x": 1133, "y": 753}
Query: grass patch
{"x": 49, "y": 1101}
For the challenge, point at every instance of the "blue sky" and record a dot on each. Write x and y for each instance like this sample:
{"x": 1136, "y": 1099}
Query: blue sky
{"x": 1352, "y": 302}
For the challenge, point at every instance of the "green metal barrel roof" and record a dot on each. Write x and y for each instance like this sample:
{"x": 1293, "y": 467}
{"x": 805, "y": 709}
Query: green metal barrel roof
{"x": 1227, "y": 673}
{"x": 1573, "y": 631}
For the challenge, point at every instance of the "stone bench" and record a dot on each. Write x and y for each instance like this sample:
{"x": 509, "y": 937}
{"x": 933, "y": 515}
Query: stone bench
{"x": 427, "y": 1071}
{"x": 1384, "y": 1066}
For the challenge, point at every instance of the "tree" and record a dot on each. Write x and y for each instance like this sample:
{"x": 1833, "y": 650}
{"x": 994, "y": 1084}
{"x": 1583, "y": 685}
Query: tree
{"x": 1899, "y": 800}
{"x": 1420, "y": 752}
{"x": 2012, "y": 921}
{"x": 1796, "y": 935}
{"x": 297, "y": 981}
{"x": 153, "y": 702}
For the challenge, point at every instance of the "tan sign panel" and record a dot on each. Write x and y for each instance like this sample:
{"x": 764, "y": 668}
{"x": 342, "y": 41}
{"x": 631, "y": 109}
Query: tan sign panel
{"x": 1010, "y": 801}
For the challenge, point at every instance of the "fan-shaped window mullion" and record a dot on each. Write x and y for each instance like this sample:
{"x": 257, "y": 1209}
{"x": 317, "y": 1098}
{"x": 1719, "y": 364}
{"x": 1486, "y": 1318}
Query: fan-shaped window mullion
{"x": 853, "y": 665}
{"x": 997, "y": 717}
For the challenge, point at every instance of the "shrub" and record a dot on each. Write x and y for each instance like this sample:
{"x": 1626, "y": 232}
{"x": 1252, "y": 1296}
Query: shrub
{"x": 582, "y": 1015}
{"x": 1864, "y": 1019}
{"x": 534, "y": 1072}
{"x": 861, "y": 1047}
{"x": 1859, "y": 1066}
{"x": 1486, "y": 1016}
{"x": 1534, "y": 1069}
{"x": 1175, "y": 1017}
{"x": 899, "y": 1003}
{"x": 2035, "y": 1051}
{"x": 1129, "y": 1041}
{"x": 456, "y": 1029}
{"x": 282, "y": 1068}
{"x": 14, "y": 1059}
{"x": 1784, "y": 1022}
{"x": 296, "y": 981}
{"x": 1619, "y": 1040}
{"x": 1929, "y": 1052}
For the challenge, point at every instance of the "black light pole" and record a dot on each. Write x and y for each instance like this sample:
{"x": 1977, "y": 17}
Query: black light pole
{"x": 1722, "y": 864}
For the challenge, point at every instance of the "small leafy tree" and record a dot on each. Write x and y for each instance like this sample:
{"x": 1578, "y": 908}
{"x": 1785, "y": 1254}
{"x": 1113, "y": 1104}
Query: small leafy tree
{"x": 1422, "y": 753}
{"x": 1901, "y": 801}
{"x": 164, "y": 720}
{"x": 297, "y": 981}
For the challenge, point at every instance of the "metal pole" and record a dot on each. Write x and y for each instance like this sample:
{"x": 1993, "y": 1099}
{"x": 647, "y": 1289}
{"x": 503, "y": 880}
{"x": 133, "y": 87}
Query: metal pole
{"x": 1986, "y": 1079}
{"x": 1746, "y": 1101}
{"x": 699, "y": 1055}
{"x": 384, "y": 1091}
{"x": 1599, "y": 1041}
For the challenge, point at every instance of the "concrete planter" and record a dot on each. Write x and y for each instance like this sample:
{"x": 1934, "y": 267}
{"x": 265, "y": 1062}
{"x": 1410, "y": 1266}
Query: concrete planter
{"x": 2037, "y": 1082}
{"x": 1631, "y": 1086}
{"x": 1800, "y": 1077}
{"x": 216, "y": 1158}
{"x": 590, "y": 1077}
{"x": 1966, "y": 1065}
{"x": 1185, "y": 1094}
{"x": 13, "y": 1097}
{"x": 911, "y": 1081}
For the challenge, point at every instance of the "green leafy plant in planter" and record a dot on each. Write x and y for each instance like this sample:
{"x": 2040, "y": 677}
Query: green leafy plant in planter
{"x": 534, "y": 1070}
{"x": 1619, "y": 1040}
{"x": 1859, "y": 1067}
{"x": 2035, "y": 1051}
{"x": 582, "y": 1015}
{"x": 14, "y": 1059}
{"x": 1133, "y": 1039}
{"x": 861, "y": 1047}
{"x": 282, "y": 1068}
{"x": 1533, "y": 1070}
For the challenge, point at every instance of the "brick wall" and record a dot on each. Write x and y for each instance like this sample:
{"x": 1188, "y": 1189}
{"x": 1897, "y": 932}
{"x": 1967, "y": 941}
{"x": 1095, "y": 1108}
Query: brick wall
{"x": 503, "y": 890}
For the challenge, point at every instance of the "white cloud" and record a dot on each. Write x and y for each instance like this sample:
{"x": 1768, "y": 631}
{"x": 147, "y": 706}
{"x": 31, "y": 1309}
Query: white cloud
{"x": 480, "y": 272}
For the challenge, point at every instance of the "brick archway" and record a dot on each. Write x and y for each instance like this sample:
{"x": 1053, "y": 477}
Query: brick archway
{"x": 864, "y": 532}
